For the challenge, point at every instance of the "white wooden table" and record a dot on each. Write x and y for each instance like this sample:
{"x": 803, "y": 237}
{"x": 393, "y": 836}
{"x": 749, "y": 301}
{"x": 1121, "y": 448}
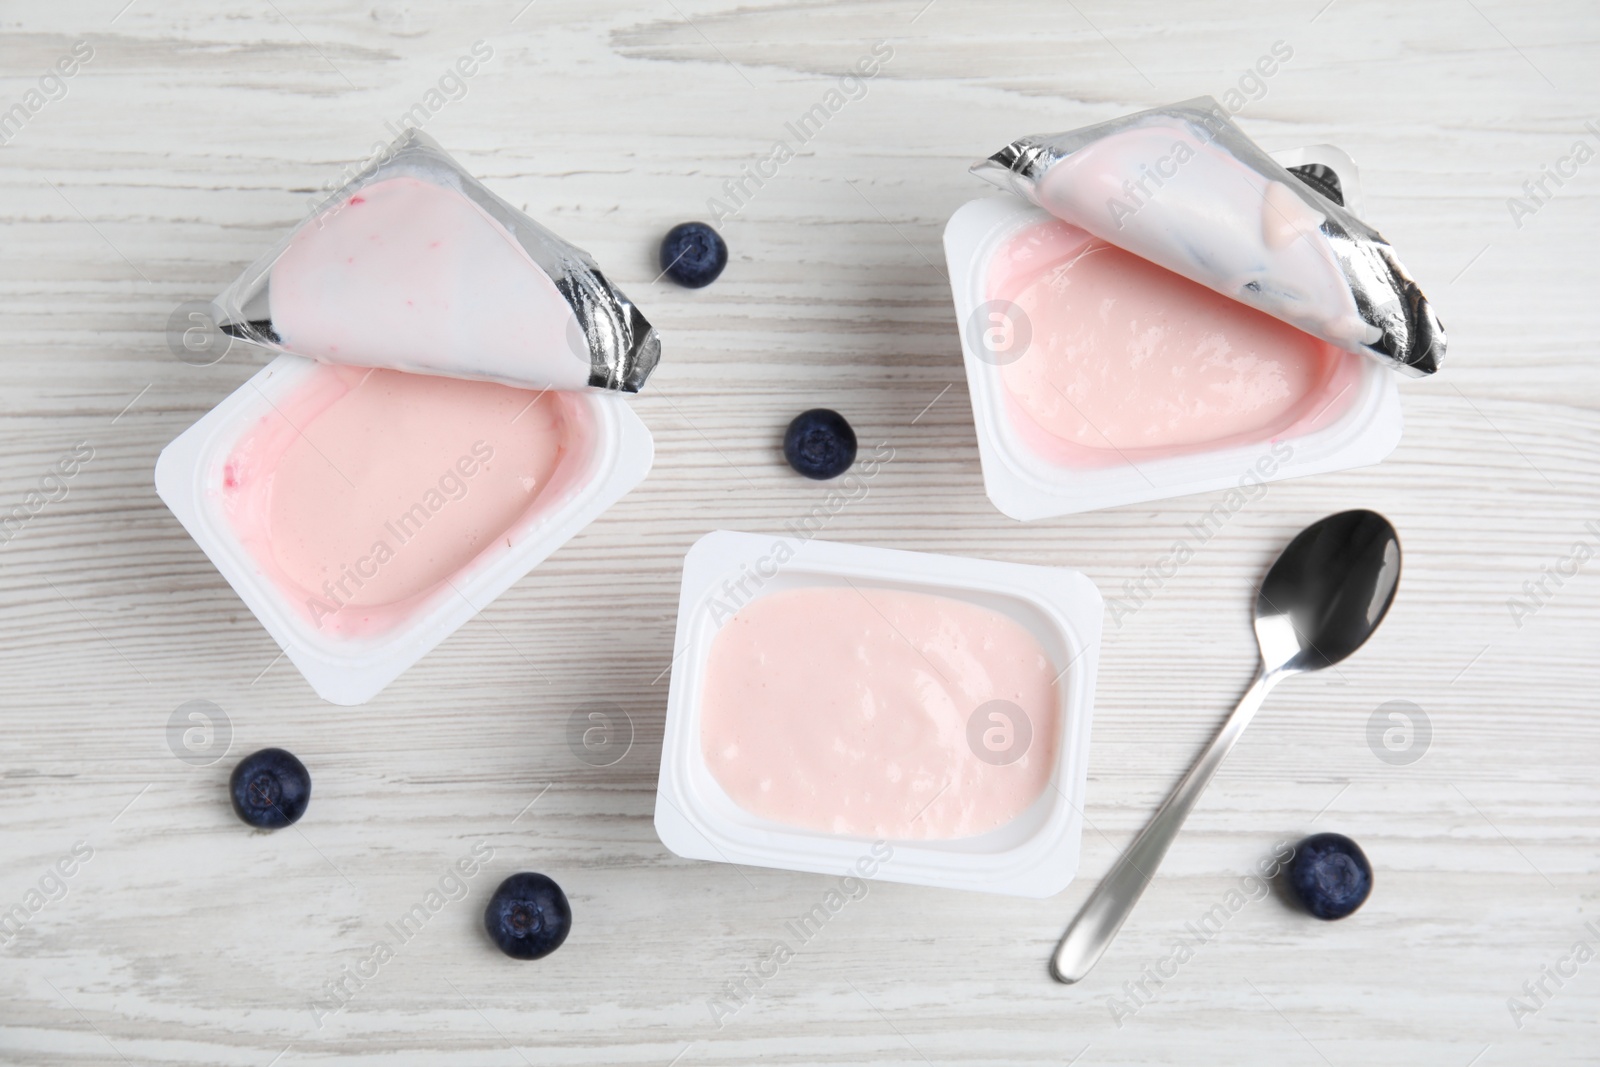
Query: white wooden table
{"x": 197, "y": 132}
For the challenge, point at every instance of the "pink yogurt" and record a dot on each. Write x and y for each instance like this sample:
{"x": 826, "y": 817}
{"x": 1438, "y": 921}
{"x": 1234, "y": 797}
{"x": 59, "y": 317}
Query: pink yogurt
{"x": 1129, "y": 361}
{"x": 367, "y": 492}
{"x": 848, "y": 710}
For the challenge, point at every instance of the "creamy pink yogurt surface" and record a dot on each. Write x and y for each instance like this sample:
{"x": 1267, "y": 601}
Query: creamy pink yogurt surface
{"x": 1127, "y": 360}
{"x": 367, "y": 491}
{"x": 415, "y": 276}
{"x": 847, "y": 709}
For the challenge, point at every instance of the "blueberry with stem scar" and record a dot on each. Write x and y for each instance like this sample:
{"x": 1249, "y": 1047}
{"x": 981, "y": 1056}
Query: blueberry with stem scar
{"x": 528, "y": 917}
{"x": 270, "y": 789}
{"x": 820, "y": 444}
{"x": 1330, "y": 875}
{"x": 693, "y": 254}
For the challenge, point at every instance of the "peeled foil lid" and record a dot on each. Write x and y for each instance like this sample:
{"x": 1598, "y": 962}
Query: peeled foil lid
{"x": 1221, "y": 212}
{"x": 605, "y": 330}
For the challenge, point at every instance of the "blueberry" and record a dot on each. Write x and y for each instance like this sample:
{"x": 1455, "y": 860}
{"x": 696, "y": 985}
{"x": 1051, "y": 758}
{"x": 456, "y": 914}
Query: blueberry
{"x": 693, "y": 254}
{"x": 1324, "y": 179}
{"x": 528, "y": 916}
{"x": 270, "y": 789}
{"x": 820, "y": 444}
{"x": 1330, "y": 874}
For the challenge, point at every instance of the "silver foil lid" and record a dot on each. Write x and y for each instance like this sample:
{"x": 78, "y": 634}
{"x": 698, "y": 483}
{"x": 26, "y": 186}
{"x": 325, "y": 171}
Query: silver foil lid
{"x": 1184, "y": 187}
{"x": 607, "y": 330}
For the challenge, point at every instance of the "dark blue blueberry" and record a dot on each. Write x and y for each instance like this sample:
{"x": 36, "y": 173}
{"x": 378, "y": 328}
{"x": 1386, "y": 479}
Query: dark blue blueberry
{"x": 1330, "y": 874}
{"x": 528, "y": 916}
{"x": 693, "y": 254}
{"x": 820, "y": 444}
{"x": 270, "y": 789}
{"x": 1323, "y": 178}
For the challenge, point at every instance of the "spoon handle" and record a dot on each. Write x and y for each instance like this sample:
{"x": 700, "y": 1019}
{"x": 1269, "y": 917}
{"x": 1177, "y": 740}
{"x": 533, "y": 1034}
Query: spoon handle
{"x": 1113, "y": 899}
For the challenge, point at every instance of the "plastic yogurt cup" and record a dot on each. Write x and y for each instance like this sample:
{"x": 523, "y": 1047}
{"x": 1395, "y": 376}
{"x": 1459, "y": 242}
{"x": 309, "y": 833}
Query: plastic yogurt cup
{"x": 842, "y": 709}
{"x": 1099, "y": 379}
{"x": 364, "y": 515}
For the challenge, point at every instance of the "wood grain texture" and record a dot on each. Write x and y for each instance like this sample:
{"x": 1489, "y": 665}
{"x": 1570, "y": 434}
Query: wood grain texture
{"x": 198, "y": 132}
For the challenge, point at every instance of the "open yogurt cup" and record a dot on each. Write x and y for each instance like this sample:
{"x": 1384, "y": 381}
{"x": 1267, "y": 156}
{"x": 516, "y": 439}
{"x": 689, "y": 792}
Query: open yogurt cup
{"x": 1046, "y": 453}
{"x": 364, "y": 515}
{"x": 1036, "y": 628}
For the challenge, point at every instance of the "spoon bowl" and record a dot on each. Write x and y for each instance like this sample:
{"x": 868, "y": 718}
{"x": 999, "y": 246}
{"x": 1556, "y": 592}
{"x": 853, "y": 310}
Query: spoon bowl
{"x": 1332, "y": 586}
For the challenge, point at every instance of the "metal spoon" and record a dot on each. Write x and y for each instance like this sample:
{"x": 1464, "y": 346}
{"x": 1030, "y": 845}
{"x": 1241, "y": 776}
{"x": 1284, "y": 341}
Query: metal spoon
{"x": 1320, "y": 602}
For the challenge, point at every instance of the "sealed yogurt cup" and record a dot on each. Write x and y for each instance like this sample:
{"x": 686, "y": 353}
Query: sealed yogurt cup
{"x": 364, "y": 515}
{"x": 1277, "y": 402}
{"x": 874, "y": 713}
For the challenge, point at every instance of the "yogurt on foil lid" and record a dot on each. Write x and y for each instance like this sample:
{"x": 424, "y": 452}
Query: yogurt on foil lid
{"x": 1183, "y": 187}
{"x": 415, "y": 266}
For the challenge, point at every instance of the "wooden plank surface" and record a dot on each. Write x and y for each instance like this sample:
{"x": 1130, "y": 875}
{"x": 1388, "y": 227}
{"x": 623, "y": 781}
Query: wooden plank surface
{"x": 197, "y": 132}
